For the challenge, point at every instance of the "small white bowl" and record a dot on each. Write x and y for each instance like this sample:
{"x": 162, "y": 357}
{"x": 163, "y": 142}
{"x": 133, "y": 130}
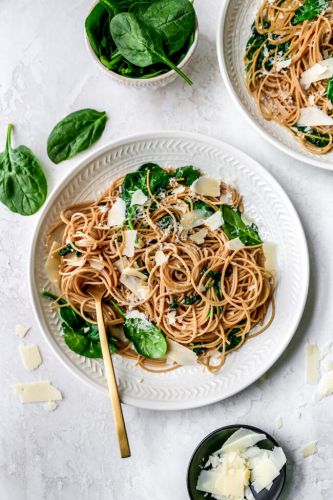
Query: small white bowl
{"x": 155, "y": 82}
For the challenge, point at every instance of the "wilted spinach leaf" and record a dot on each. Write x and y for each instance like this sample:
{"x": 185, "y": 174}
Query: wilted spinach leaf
{"x": 313, "y": 136}
{"x": 329, "y": 89}
{"x": 309, "y": 10}
{"x": 148, "y": 340}
{"x": 80, "y": 336}
{"x": 206, "y": 210}
{"x": 190, "y": 301}
{"x": 234, "y": 227}
{"x": 187, "y": 174}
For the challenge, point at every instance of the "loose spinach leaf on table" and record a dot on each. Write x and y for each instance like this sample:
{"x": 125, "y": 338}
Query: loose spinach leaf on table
{"x": 174, "y": 21}
{"x": 234, "y": 227}
{"x": 148, "y": 340}
{"x": 187, "y": 174}
{"x": 23, "y": 185}
{"x": 75, "y": 133}
{"x": 140, "y": 44}
{"x": 313, "y": 136}
{"x": 309, "y": 10}
{"x": 80, "y": 336}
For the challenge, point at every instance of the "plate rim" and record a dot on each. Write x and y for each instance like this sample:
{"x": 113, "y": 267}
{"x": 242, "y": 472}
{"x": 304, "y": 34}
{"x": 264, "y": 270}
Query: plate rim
{"x": 314, "y": 162}
{"x": 170, "y": 134}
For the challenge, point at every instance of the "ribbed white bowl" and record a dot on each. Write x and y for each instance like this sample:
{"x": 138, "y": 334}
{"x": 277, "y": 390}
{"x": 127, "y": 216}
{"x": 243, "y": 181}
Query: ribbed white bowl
{"x": 234, "y": 29}
{"x": 264, "y": 200}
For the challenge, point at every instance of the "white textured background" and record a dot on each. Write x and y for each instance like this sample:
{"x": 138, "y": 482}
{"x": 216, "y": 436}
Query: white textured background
{"x": 45, "y": 73}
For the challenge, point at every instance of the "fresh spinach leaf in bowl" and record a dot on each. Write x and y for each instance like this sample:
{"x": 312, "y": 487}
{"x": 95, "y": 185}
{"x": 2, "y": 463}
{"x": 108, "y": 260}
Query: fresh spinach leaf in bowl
{"x": 142, "y": 39}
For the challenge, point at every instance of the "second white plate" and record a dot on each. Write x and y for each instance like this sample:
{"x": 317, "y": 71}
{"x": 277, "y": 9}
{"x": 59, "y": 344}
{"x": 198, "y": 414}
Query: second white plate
{"x": 234, "y": 29}
{"x": 264, "y": 201}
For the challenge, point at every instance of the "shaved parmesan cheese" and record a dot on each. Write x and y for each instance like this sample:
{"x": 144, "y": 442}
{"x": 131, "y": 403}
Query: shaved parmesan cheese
{"x": 279, "y": 422}
{"x": 117, "y": 214}
{"x": 327, "y": 365}
{"x": 234, "y": 244}
{"x": 130, "y": 271}
{"x": 30, "y": 356}
{"x": 180, "y": 354}
{"x": 135, "y": 314}
{"x": 36, "y": 392}
{"x": 138, "y": 198}
{"x": 214, "y": 221}
{"x": 179, "y": 190}
{"x": 228, "y": 480}
{"x": 270, "y": 252}
{"x": 263, "y": 473}
{"x": 246, "y": 219}
{"x": 21, "y": 330}
{"x": 103, "y": 209}
{"x": 52, "y": 264}
{"x": 206, "y": 186}
{"x": 326, "y": 385}
{"x": 313, "y": 116}
{"x": 135, "y": 286}
{"x": 282, "y": 64}
{"x": 171, "y": 317}
{"x": 311, "y": 100}
{"x": 312, "y": 372}
{"x": 160, "y": 257}
{"x": 130, "y": 238}
{"x": 50, "y": 406}
{"x": 76, "y": 262}
{"x": 199, "y": 236}
{"x": 96, "y": 264}
{"x": 319, "y": 71}
{"x": 241, "y": 439}
{"x": 192, "y": 219}
{"x": 310, "y": 449}
{"x": 237, "y": 462}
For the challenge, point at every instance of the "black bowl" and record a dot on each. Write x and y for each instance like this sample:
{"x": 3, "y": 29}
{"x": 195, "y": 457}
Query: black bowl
{"x": 214, "y": 442}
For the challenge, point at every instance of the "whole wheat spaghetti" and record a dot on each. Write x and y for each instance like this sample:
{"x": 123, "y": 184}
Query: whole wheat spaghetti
{"x": 288, "y": 38}
{"x": 202, "y": 292}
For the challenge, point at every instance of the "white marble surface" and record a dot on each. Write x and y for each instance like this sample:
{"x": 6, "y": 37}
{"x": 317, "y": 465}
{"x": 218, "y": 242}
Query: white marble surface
{"x": 72, "y": 453}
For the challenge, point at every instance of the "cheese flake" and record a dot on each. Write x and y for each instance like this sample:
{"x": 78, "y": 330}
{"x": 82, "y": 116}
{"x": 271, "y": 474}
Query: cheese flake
{"x": 135, "y": 314}
{"x": 30, "y": 356}
{"x": 117, "y": 213}
{"x": 180, "y": 354}
{"x": 199, "y": 236}
{"x": 138, "y": 198}
{"x": 21, "y": 330}
{"x": 312, "y": 358}
{"x": 50, "y": 406}
{"x": 96, "y": 264}
{"x": 171, "y": 317}
{"x": 326, "y": 384}
{"x": 283, "y": 64}
{"x": 313, "y": 117}
{"x": 135, "y": 285}
{"x": 36, "y": 392}
{"x": 206, "y": 186}
{"x": 319, "y": 71}
{"x": 130, "y": 238}
{"x": 160, "y": 257}
{"x": 52, "y": 264}
{"x": 309, "y": 449}
{"x": 241, "y": 439}
{"x": 234, "y": 244}
{"x": 214, "y": 221}
{"x": 270, "y": 251}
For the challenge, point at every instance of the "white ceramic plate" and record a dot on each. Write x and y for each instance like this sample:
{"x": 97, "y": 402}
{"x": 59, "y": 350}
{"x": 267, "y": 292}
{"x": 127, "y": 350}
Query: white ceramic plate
{"x": 264, "y": 200}
{"x": 234, "y": 29}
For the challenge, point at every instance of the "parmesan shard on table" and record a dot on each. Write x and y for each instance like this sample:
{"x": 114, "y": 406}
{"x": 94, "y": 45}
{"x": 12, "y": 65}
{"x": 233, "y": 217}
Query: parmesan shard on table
{"x": 30, "y": 356}
{"x": 312, "y": 370}
{"x": 37, "y": 392}
{"x": 309, "y": 449}
{"x": 21, "y": 330}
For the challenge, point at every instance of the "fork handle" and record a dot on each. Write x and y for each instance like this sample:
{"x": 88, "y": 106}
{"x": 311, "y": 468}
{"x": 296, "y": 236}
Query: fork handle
{"x": 112, "y": 385}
